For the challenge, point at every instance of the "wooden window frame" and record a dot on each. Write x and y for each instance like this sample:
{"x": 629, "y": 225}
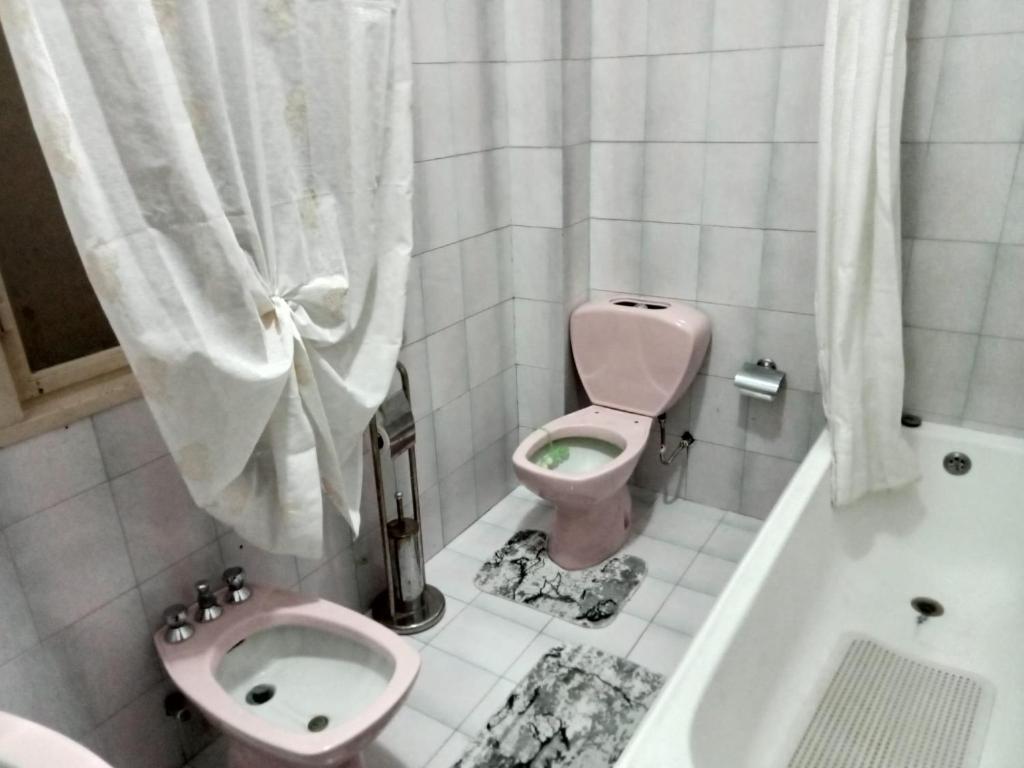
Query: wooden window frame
{"x": 33, "y": 402}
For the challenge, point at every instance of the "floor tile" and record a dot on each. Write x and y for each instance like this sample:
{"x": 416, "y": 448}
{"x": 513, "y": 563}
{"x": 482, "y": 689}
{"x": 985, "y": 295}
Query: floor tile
{"x": 729, "y": 543}
{"x": 682, "y": 522}
{"x": 517, "y": 513}
{"x": 452, "y": 608}
{"x": 490, "y": 704}
{"x": 617, "y": 637}
{"x": 451, "y": 752}
{"x": 484, "y": 639}
{"x": 665, "y": 561}
{"x": 513, "y": 611}
{"x": 648, "y": 598}
{"x": 453, "y": 574}
{"x": 660, "y": 649}
{"x": 746, "y": 522}
{"x": 449, "y": 689}
{"x": 480, "y": 541}
{"x": 708, "y": 574}
{"x": 410, "y": 740}
{"x": 540, "y": 645}
{"x": 685, "y": 610}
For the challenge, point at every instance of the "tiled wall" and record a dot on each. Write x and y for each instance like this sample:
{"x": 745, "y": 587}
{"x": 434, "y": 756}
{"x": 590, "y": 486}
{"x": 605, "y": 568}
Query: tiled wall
{"x": 964, "y": 213}
{"x": 97, "y": 531}
{"x": 702, "y": 189}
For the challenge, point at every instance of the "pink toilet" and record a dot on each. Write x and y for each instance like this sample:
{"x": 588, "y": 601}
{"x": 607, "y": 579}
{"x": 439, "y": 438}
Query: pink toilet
{"x": 635, "y": 358}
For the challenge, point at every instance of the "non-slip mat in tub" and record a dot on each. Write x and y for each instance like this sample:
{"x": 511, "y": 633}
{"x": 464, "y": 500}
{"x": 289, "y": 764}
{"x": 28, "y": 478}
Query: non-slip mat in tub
{"x": 576, "y": 708}
{"x": 591, "y": 597}
{"x": 885, "y": 710}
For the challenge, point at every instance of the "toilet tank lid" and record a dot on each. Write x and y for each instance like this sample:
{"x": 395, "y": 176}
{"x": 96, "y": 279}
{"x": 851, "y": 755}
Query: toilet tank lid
{"x": 638, "y": 355}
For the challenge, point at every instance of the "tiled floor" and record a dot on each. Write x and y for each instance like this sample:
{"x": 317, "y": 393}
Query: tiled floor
{"x": 485, "y": 644}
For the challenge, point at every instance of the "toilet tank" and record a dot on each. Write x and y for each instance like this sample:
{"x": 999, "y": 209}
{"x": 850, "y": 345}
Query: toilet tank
{"x": 638, "y": 355}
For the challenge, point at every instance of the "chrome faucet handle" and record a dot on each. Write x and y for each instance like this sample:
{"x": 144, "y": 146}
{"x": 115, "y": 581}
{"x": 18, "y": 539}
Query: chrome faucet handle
{"x": 207, "y": 608}
{"x": 178, "y": 630}
{"x": 234, "y": 577}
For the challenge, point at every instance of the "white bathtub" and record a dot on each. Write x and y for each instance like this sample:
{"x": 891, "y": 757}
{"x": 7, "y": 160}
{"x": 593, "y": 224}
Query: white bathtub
{"x": 749, "y": 683}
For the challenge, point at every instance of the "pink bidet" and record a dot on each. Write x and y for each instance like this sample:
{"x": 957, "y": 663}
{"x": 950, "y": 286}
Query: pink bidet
{"x": 292, "y": 680}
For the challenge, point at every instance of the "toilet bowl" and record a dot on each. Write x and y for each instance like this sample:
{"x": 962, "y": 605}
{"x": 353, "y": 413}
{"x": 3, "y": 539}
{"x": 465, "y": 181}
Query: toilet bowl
{"x": 292, "y": 680}
{"x": 635, "y": 358}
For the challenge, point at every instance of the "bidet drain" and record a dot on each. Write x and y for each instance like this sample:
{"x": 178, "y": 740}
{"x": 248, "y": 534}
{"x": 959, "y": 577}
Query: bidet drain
{"x": 926, "y": 608}
{"x": 318, "y": 723}
{"x": 260, "y": 694}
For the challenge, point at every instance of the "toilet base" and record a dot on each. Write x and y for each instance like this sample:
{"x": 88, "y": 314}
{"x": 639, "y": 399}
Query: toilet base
{"x": 241, "y": 755}
{"x": 582, "y": 536}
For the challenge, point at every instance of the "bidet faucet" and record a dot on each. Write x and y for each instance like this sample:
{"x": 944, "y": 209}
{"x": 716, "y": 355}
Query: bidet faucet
{"x": 207, "y": 608}
{"x": 176, "y": 620}
{"x": 237, "y": 592}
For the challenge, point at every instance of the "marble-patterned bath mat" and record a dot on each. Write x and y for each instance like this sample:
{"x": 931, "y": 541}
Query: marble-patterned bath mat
{"x": 576, "y": 708}
{"x": 522, "y": 571}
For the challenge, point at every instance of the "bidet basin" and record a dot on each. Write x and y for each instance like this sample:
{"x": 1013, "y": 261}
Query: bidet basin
{"x": 292, "y": 680}
{"x": 24, "y": 744}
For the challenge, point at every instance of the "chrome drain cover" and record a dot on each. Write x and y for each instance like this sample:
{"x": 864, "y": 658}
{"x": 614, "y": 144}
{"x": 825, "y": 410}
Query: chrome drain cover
{"x": 318, "y": 723}
{"x": 260, "y": 694}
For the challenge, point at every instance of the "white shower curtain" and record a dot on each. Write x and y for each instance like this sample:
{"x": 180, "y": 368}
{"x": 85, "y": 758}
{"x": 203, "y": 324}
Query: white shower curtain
{"x": 857, "y": 302}
{"x": 237, "y": 177}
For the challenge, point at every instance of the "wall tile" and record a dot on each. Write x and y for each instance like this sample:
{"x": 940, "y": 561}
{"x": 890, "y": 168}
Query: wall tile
{"x": 928, "y": 18}
{"x": 71, "y": 559}
{"x": 458, "y": 501}
{"x": 764, "y": 479}
{"x": 789, "y": 340}
{"x": 996, "y": 395}
{"x": 677, "y": 96}
{"x": 535, "y": 103}
{"x": 19, "y": 633}
{"x": 128, "y": 437}
{"x": 796, "y": 110}
{"x": 533, "y": 30}
{"x": 575, "y": 102}
{"x": 42, "y": 471}
{"x": 441, "y": 277}
{"x": 479, "y": 107}
{"x": 732, "y": 338}
{"x": 718, "y": 411}
{"x": 429, "y": 30}
{"x": 673, "y": 182}
{"x": 713, "y": 475}
{"x": 538, "y": 266}
{"x": 492, "y": 468}
{"x": 947, "y": 285}
{"x": 414, "y": 358}
{"x": 432, "y": 111}
{"x": 540, "y": 333}
{"x": 147, "y": 500}
{"x": 788, "y": 268}
{"x": 540, "y": 395}
{"x": 1013, "y": 227}
{"x": 805, "y": 22}
{"x": 994, "y": 112}
{"x": 736, "y": 183}
{"x": 615, "y": 255}
{"x": 618, "y": 93}
{"x": 669, "y": 259}
{"x": 482, "y": 192}
{"x": 964, "y": 191}
{"x": 37, "y": 686}
{"x": 741, "y": 102}
{"x": 141, "y": 734}
{"x": 938, "y": 367}
{"x": 475, "y": 30}
{"x": 454, "y": 435}
{"x": 616, "y": 180}
{"x": 924, "y": 62}
{"x": 793, "y": 190}
{"x": 730, "y": 265}
{"x": 679, "y": 26}
{"x": 335, "y": 580}
{"x": 781, "y": 428}
{"x": 446, "y": 353}
{"x": 536, "y": 187}
{"x": 1004, "y": 316}
{"x": 491, "y": 345}
{"x": 486, "y": 270}
{"x": 618, "y": 27}
{"x": 414, "y": 328}
{"x": 747, "y": 24}
{"x": 983, "y": 16}
{"x": 435, "y": 221}
{"x": 494, "y": 409}
{"x": 260, "y": 566}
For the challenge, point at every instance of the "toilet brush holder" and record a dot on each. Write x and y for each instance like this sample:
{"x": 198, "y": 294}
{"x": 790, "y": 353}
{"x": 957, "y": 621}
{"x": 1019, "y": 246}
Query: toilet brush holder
{"x": 408, "y": 604}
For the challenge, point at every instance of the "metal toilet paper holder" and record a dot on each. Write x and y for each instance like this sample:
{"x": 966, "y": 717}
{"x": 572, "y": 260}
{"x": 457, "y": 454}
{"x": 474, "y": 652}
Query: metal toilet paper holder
{"x": 761, "y": 380}
{"x": 408, "y": 604}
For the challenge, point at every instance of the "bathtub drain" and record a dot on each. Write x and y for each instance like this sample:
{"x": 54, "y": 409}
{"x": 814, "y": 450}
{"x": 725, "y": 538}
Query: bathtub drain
{"x": 926, "y": 608}
{"x": 957, "y": 463}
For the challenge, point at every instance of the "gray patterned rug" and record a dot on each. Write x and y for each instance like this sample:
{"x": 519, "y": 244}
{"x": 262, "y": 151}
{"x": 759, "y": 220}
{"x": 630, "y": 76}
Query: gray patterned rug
{"x": 576, "y": 708}
{"x": 522, "y": 571}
